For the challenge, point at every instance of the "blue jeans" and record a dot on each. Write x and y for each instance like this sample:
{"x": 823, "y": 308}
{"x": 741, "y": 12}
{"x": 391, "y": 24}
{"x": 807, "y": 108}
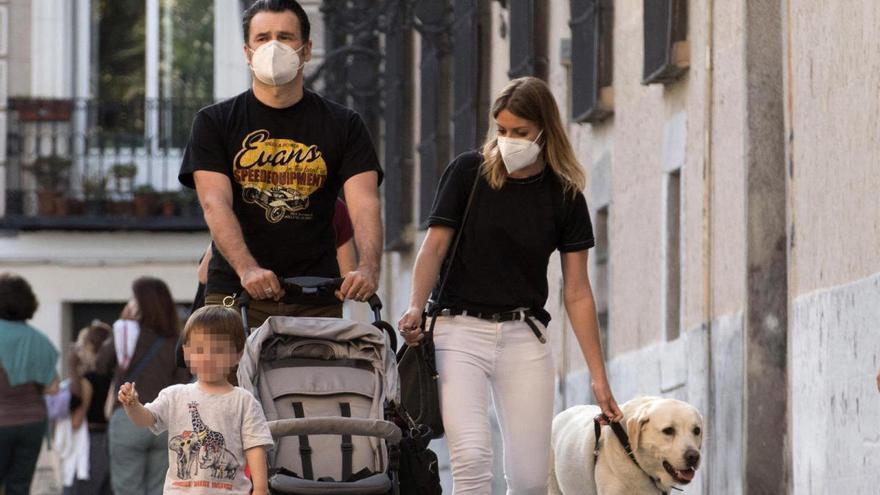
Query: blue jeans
{"x": 19, "y": 449}
{"x": 138, "y": 459}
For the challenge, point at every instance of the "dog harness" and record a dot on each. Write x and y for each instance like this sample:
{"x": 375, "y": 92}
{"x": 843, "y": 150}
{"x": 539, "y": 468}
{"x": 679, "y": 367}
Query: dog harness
{"x": 623, "y": 438}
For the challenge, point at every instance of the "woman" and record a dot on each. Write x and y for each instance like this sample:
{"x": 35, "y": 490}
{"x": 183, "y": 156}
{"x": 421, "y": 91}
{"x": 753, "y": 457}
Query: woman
{"x": 139, "y": 459}
{"x": 94, "y": 393}
{"x": 27, "y": 371}
{"x": 527, "y": 204}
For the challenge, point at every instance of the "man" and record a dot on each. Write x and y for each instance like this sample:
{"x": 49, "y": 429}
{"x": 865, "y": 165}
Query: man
{"x": 268, "y": 165}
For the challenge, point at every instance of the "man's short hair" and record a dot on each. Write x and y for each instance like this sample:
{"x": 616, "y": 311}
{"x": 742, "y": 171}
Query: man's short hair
{"x": 275, "y": 6}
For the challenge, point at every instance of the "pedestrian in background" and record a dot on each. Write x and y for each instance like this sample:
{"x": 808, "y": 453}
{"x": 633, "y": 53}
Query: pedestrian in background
{"x": 27, "y": 371}
{"x": 524, "y": 189}
{"x": 138, "y": 459}
{"x": 88, "y": 343}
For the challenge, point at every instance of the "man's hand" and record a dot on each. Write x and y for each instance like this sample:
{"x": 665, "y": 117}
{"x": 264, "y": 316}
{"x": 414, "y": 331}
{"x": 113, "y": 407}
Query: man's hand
{"x": 359, "y": 285}
{"x": 410, "y": 326}
{"x": 261, "y": 284}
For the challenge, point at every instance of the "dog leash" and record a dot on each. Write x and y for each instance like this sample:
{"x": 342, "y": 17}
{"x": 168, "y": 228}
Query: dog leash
{"x": 623, "y": 438}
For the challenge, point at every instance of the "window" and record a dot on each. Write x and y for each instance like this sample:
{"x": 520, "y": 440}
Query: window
{"x": 592, "y": 27}
{"x": 672, "y": 287}
{"x": 433, "y": 20}
{"x": 528, "y": 39}
{"x": 398, "y": 135}
{"x": 470, "y": 81}
{"x": 666, "y": 48}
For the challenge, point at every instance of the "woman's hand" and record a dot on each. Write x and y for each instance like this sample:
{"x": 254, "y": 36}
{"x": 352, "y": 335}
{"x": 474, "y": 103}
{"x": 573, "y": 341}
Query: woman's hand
{"x": 410, "y": 326}
{"x": 610, "y": 409}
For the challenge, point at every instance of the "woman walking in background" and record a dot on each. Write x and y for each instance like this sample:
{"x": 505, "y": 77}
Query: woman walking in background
{"x": 27, "y": 371}
{"x": 527, "y": 204}
{"x": 88, "y": 343}
{"x": 139, "y": 459}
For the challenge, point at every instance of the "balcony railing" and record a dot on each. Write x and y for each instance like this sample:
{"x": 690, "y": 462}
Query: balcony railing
{"x": 98, "y": 165}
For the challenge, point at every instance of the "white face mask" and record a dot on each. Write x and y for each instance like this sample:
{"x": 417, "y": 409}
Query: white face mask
{"x": 275, "y": 63}
{"x": 518, "y": 153}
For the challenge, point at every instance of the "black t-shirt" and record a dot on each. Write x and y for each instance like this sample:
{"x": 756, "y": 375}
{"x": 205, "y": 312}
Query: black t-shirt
{"x": 286, "y": 167}
{"x": 509, "y": 234}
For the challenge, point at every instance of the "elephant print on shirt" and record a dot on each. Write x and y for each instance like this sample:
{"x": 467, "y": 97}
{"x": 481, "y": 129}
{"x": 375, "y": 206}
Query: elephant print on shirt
{"x": 186, "y": 446}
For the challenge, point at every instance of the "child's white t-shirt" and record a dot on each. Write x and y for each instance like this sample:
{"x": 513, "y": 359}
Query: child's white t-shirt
{"x": 207, "y": 437}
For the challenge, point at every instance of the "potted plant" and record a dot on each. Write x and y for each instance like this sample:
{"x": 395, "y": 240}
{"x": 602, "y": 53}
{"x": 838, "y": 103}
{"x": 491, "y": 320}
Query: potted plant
{"x": 52, "y": 175}
{"x": 123, "y": 176}
{"x": 168, "y": 203}
{"x": 95, "y": 191}
{"x": 145, "y": 200}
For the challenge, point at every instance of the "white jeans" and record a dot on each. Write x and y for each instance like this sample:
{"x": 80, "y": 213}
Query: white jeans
{"x": 472, "y": 356}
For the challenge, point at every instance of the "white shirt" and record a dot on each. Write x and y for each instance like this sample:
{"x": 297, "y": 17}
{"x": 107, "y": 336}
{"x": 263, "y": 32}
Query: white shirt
{"x": 125, "y": 335}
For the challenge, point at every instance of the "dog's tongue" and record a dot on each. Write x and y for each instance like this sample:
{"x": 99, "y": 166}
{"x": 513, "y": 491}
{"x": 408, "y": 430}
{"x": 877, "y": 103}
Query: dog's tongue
{"x": 686, "y": 474}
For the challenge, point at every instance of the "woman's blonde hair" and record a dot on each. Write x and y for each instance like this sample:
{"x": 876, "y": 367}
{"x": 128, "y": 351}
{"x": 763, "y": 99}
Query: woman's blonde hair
{"x": 529, "y": 98}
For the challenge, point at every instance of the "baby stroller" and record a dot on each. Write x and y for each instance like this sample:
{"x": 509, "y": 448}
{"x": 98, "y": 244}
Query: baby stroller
{"x": 325, "y": 385}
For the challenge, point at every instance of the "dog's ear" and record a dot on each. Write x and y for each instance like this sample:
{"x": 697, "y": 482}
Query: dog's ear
{"x": 634, "y": 425}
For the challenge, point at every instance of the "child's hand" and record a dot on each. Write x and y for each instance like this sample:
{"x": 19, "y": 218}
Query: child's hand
{"x": 128, "y": 395}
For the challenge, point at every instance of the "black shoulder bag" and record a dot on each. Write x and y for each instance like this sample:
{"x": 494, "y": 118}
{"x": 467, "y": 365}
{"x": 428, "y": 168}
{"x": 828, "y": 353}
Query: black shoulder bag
{"x": 416, "y": 365}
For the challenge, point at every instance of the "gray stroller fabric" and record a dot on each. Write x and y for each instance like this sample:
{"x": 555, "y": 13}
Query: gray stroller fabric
{"x": 319, "y": 369}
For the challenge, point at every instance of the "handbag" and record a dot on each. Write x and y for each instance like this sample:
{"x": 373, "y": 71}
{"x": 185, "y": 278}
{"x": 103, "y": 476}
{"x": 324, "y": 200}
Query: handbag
{"x": 416, "y": 365}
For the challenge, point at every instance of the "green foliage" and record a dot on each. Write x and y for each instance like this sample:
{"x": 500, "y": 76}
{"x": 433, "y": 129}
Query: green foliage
{"x": 94, "y": 186}
{"x": 51, "y": 172}
{"x": 124, "y": 170}
{"x": 193, "y": 47}
{"x": 144, "y": 189}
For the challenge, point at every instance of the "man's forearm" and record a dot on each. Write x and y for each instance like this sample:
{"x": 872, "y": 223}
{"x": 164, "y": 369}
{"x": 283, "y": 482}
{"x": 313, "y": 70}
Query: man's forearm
{"x": 368, "y": 236}
{"x": 226, "y": 233}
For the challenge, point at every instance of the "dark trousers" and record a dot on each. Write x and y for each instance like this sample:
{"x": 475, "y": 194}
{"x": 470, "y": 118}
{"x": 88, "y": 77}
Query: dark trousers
{"x": 258, "y": 311}
{"x": 19, "y": 449}
{"x": 99, "y": 467}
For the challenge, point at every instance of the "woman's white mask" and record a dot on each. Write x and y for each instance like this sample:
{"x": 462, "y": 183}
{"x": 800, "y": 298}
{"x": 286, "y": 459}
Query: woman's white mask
{"x": 517, "y": 152}
{"x": 275, "y": 63}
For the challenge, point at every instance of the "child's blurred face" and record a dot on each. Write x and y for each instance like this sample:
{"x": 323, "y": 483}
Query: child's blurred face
{"x": 210, "y": 357}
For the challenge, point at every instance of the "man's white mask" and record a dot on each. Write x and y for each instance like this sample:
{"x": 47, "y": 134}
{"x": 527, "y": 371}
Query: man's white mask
{"x": 275, "y": 63}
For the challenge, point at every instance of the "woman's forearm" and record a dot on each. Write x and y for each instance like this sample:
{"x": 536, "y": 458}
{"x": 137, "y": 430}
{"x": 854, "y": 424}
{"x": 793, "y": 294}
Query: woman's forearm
{"x": 427, "y": 266}
{"x": 582, "y": 314}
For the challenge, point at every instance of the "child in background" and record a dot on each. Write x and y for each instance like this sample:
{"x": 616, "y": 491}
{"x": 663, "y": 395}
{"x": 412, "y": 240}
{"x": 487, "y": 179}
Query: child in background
{"x": 215, "y": 428}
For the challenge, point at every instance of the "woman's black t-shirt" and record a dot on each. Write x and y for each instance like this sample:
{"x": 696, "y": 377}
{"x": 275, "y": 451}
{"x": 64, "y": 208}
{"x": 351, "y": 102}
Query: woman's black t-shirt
{"x": 286, "y": 167}
{"x": 509, "y": 234}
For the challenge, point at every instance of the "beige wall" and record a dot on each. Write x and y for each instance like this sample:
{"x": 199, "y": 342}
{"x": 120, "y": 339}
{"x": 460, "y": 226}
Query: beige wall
{"x": 834, "y": 118}
{"x": 19, "y": 47}
{"x": 66, "y": 268}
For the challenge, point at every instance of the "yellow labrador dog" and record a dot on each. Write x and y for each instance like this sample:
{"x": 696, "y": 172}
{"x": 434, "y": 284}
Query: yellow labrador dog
{"x": 665, "y": 436}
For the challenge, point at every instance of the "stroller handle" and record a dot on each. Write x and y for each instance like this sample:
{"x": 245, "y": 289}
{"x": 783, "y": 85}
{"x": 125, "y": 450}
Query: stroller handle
{"x": 319, "y": 288}
{"x": 330, "y": 425}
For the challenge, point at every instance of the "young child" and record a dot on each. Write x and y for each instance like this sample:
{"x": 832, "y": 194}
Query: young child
{"x": 214, "y": 427}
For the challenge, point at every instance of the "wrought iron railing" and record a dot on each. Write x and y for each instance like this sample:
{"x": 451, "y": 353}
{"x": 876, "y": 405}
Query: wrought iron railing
{"x": 91, "y": 164}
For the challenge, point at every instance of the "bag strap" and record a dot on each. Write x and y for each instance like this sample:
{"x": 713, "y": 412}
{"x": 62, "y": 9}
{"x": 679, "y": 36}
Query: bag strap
{"x": 151, "y": 353}
{"x": 305, "y": 450}
{"x": 347, "y": 447}
{"x": 436, "y": 302}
